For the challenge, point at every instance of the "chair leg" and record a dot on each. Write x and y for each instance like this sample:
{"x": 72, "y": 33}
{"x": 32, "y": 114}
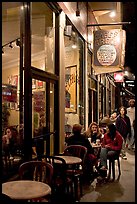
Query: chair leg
{"x": 109, "y": 172}
{"x": 113, "y": 169}
{"x": 80, "y": 180}
{"x": 76, "y": 186}
{"x": 119, "y": 169}
{"x": 112, "y": 165}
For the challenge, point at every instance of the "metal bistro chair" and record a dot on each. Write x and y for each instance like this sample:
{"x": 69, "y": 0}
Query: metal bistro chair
{"x": 38, "y": 171}
{"x": 76, "y": 171}
{"x": 62, "y": 185}
{"x": 112, "y": 160}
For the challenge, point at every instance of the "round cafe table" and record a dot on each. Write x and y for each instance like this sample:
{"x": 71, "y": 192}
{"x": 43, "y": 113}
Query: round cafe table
{"x": 25, "y": 189}
{"x": 70, "y": 159}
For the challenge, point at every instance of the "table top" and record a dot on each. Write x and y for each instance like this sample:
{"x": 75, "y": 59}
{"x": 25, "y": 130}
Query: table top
{"x": 25, "y": 189}
{"x": 71, "y": 159}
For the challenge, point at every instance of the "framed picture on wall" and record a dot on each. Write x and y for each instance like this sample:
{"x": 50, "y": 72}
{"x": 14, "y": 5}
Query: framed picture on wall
{"x": 71, "y": 89}
{"x": 39, "y": 84}
{"x": 12, "y": 106}
{"x": 33, "y": 83}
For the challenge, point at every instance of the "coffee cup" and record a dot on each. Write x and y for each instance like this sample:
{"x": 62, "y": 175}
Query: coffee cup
{"x": 98, "y": 141}
{"x": 89, "y": 139}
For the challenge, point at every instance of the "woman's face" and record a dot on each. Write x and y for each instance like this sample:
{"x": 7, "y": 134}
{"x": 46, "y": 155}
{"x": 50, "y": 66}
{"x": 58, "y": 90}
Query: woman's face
{"x": 8, "y": 132}
{"x": 122, "y": 111}
{"x": 114, "y": 115}
{"x": 94, "y": 128}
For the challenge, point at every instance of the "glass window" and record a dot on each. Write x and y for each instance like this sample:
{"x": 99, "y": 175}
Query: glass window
{"x": 10, "y": 63}
{"x": 43, "y": 114}
{"x": 43, "y": 32}
{"x": 74, "y": 77}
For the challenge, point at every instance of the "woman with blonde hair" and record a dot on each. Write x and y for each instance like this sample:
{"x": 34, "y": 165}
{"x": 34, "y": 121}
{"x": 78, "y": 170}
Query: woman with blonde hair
{"x": 93, "y": 132}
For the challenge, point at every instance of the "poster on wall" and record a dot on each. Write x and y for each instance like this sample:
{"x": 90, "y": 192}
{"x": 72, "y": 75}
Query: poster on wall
{"x": 39, "y": 101}
{"x": 71, "y": 89}
{"x": 9, "y": 93}
{"x": 13, "y": 80}
{"x": 109, "y": 50}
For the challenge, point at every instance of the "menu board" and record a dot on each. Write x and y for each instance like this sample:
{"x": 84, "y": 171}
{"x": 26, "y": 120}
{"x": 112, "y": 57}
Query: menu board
{"x": 109, "y": 50}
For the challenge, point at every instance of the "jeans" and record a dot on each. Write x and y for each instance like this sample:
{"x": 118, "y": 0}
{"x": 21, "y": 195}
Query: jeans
{"x": 104, "y": 154}
{"x": 131, "y": 141}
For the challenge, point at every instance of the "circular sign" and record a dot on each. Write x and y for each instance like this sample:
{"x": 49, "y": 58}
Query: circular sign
{"x": 106, "y": 54}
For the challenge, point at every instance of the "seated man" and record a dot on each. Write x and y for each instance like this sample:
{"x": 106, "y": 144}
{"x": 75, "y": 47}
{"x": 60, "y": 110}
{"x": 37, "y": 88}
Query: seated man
{"x": 79, "y": 139}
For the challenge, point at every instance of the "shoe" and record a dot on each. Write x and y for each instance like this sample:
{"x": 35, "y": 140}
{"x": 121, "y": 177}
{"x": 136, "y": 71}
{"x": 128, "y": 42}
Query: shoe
{"x": 129, "y": 147}
{"x": 124, "y": 157}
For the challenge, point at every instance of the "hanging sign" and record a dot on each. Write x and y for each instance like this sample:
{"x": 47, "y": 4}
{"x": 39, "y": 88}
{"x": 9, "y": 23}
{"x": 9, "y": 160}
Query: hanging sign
{"x": 109, "y": 50}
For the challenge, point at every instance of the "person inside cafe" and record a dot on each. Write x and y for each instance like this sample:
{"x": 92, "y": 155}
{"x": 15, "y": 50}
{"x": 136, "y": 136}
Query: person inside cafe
{"x": 111, "y": 145}
{"x": 77, "y": 138}
{"x": 9, "y": 141}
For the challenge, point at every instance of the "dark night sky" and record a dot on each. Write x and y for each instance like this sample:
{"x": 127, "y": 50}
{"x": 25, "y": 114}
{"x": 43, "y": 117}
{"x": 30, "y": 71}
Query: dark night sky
{"x": 129, "y": 16}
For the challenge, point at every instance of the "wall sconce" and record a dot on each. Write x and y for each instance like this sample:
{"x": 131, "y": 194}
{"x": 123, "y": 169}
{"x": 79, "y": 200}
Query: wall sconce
{"x": 77, "y": 11}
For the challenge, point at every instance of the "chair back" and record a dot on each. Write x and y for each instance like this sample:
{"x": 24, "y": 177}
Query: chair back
{"x": 36, "y": 170}
{"x": 77, "y": 151}
{"x": 59, "y": 171}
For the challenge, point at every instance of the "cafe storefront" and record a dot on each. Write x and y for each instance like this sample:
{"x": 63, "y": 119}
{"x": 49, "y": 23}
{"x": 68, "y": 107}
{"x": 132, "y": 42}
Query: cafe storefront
{"x": 44, "y": 69}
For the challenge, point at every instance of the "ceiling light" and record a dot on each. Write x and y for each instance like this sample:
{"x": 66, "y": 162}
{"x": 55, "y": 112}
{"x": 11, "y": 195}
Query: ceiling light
{"x": 112, "y": 14}
{"x": 77, "y": 11}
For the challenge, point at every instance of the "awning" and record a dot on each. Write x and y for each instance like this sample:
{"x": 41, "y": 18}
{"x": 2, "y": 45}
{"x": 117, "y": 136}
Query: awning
{"x": 105, "y": 70}
{"x": 129, "y": 92}
{"x": 111, "y": 80}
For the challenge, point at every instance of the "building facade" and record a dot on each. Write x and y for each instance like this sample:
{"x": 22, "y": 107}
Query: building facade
{"x": 48, "y": 80}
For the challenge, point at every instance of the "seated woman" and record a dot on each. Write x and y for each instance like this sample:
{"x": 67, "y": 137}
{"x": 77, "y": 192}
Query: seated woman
{"x": 9, "y": 141}
{"x": 93, "y": 132}
{"x": 111, "y": 145}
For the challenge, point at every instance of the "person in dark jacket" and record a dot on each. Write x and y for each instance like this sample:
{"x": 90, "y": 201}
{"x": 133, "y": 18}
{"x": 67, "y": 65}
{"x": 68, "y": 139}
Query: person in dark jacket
{"x": 123, "y": 125}
{"x": 79, "y": 139}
